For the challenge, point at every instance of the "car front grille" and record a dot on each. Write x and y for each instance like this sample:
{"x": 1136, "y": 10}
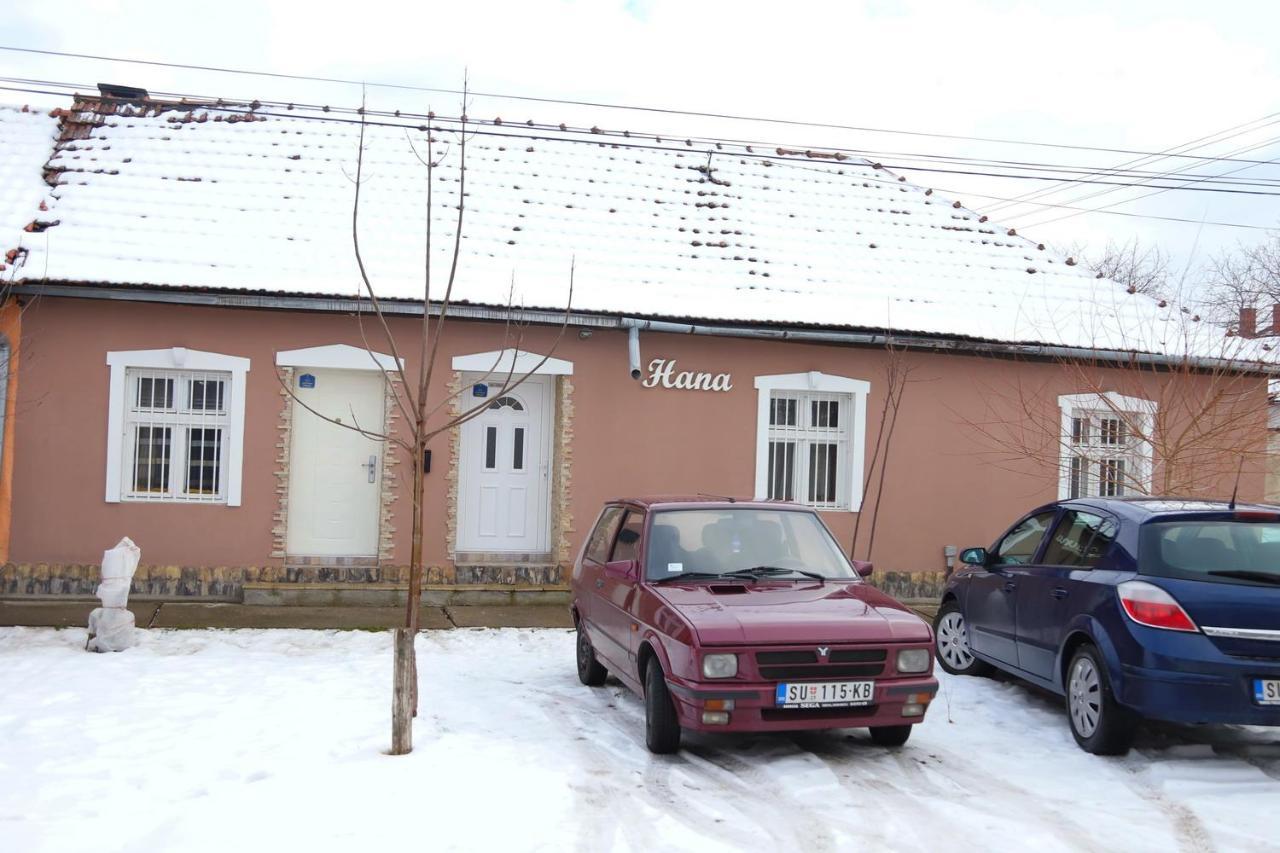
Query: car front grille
{"x": 801, "y": 664}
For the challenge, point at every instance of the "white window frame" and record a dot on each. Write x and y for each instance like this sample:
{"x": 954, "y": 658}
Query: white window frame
{"x": 1133, "y": 411}
{"x": 849, "y": 478}
{"x": 178, "y": 359}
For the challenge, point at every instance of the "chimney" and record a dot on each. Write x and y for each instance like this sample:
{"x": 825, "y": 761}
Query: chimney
{"x": 122, "y": 93}
{"x": 1248, "y": 322}
{"x": 1275, "y": 320}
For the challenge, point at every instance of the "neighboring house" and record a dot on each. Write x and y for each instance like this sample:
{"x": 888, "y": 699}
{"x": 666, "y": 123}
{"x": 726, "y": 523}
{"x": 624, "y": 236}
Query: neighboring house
{"x": 183, "y": 266}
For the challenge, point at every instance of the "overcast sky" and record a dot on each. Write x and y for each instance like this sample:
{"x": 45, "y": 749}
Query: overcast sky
{"x": 1135, "y": 75}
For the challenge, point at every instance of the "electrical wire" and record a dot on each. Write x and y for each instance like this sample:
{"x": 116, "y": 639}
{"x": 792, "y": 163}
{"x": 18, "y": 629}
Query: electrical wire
{"x": 332, "y": 113}
{"x": 615, "y": 141}
{"x": 579, "y": 103}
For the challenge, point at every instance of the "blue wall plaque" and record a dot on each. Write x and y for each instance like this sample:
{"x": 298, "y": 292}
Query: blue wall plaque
{"x": 479, "y": 390}
{"x": 307, "y": 380}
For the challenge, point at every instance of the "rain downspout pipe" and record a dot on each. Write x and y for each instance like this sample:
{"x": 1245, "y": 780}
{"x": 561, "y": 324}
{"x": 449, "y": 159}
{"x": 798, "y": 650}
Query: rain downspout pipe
{"x": 633, "y": 350}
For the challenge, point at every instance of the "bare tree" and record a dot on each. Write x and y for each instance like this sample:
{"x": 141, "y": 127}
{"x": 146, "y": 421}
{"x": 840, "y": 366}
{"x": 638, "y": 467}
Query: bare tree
{"x": 1244, "y": 277}
{"x": 1140, "y": 268}
{"x": 1181, "y": 425}
{"x": 423, "y": 417}
{"x": 897, "y": 374}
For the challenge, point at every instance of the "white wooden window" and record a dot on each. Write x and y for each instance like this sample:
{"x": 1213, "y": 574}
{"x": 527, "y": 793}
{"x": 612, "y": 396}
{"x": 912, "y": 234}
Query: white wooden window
{"x": 1106, "y": 445}
{"x": 811, "y": 430}
{"x": 175, "y": 435}
{"x": 175, "y": 428}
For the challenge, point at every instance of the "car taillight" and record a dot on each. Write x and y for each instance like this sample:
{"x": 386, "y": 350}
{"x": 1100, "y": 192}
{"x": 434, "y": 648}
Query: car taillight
{"x": 1150, "y": 605}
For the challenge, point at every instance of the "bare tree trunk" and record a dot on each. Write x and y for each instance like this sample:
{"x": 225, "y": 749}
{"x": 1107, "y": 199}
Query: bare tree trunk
{"x": 402, "y": 678}
{"x": 415, "y": 555}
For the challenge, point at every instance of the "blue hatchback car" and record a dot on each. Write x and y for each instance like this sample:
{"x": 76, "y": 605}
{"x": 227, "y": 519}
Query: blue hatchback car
{"x": 1131, "y": 608}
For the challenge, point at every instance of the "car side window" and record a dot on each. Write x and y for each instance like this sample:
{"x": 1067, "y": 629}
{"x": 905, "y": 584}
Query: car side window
{"x": 1080, "y": 540}
{"x": 602, "y": 536}
{"x": 1020, "y": 544}
{"x": 628, "y": 545}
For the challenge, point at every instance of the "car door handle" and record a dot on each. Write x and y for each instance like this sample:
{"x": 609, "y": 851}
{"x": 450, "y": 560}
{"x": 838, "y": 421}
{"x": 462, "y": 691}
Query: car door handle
{"x": 1010, "y": 586}
{"x": 599, "y": 583}
{"x": 1058, "y": 592}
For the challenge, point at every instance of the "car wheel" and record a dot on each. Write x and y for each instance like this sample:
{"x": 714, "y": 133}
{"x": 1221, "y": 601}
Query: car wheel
{"x": 1100, "y": 724}
{"x": 661, "y": 726}
{"x": 590, "y": 671}
{"x": 890, "y": 735}
{"x": 951, "y": 641}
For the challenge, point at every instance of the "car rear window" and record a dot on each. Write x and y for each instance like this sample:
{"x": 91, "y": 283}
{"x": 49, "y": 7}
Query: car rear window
{"x": 602, "y": 536}
{"x": 1222, "y": 551}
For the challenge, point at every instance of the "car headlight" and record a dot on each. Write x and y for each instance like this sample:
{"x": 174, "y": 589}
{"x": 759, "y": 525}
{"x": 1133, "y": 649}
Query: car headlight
{"x": 720, "y": 666}
{"x": 913, "y": 660}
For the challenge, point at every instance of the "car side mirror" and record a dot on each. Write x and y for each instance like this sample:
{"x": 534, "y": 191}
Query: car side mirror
{"x": 975, "y": 556}
{"x": 863, "y": 568}
{"x": 623, "y": 570}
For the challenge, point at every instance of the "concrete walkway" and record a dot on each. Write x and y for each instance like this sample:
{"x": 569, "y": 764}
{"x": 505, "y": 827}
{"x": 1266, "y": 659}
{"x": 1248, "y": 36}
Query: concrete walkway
{"x": 70, "y": 613}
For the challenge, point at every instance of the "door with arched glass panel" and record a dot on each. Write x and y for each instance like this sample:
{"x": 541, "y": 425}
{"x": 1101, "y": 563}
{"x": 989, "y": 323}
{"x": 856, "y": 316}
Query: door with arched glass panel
{"x": 504, "y": 476}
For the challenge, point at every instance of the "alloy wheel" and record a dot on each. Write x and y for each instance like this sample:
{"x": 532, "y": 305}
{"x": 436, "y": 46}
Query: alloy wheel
{"x": 1084, "y": 697}
{"x": 953, "y": 641}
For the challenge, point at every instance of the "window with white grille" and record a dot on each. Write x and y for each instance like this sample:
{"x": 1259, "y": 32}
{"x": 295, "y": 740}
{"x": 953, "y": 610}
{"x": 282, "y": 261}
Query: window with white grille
{"x": 175, "y": 435}
{"x": 176, "y": 426}
{"x": 810, "y": 438}
{"x": 1106, "y": 447}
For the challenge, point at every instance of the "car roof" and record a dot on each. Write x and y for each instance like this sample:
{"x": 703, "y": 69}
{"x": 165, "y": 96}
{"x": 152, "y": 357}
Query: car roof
{"x": 656, "y": 502}
{"x": 1142, "y": 507}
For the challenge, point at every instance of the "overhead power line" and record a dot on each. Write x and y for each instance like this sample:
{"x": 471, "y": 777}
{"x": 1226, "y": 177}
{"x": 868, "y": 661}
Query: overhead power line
{"x": 1127, "y": 168}
{"x": 1266, "y": 188}
{"x": 405, "y": 121}
{"x": 582, "y": 103}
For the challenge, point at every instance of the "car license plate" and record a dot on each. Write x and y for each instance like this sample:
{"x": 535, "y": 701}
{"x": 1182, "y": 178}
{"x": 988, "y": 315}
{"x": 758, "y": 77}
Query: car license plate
{"x": 825, "y": 694}
{"x": 1266, "y": 691}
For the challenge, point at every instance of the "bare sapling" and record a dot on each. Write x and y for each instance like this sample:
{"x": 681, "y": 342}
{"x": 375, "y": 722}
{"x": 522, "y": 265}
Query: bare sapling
{"x": 424, "y": 413}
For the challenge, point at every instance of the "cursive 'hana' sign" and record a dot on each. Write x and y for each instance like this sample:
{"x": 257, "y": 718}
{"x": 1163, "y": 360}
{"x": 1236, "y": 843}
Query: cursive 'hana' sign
{"x": 663, "y": 372}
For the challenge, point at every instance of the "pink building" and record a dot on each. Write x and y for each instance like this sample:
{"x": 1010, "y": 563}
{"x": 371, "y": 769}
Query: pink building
{"x": 184, "y": 294}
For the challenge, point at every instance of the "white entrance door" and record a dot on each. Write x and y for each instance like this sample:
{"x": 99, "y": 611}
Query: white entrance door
{"x": 335, "y": 473}
{"x": 504, "y": 487}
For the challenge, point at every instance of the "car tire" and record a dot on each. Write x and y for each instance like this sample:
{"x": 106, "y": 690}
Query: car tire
{"x": 951, "y": 643}
{"x": 1100, "y": 724}
{"x": 590, "y": 671}
{"x": 661, "y": 725}
{"x": 890, "y": 735}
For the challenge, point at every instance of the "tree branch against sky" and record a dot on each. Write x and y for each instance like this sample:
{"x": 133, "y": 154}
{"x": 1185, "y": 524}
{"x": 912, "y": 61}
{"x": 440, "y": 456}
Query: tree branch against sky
{"x": 409, "y": 383}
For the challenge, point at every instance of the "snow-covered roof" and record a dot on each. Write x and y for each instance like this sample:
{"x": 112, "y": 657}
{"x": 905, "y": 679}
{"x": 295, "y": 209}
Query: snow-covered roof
{"x": 26, "y": 142}
{"x": 261, "y": 199}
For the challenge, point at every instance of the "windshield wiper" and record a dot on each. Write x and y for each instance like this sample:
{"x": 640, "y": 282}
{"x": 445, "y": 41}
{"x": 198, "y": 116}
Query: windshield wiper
{"x": 771, "y": 571}
{"x": 686, "y": 576}
{"x": 1246, "y": 575}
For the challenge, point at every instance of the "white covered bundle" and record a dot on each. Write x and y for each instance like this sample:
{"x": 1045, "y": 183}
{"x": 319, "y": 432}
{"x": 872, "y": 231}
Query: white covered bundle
{"x": 111, "y": 626}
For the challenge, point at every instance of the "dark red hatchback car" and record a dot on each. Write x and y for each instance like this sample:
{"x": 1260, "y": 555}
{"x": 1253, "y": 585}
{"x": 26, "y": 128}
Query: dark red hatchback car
{"x": 744, "y": 616}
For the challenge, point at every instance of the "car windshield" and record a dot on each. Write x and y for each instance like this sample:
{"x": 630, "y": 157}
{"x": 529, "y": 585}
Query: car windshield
{"x": 1241, "y": 552}
{"x": 712, "y": 542}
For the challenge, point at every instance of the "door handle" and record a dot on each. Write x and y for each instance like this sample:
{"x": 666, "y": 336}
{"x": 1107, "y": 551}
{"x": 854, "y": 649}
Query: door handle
{"x": 1058, "y": 592}
{"x": 599, "y": 583}
{"x": 372, "y": 467}
{"x": 1010, "y": 586}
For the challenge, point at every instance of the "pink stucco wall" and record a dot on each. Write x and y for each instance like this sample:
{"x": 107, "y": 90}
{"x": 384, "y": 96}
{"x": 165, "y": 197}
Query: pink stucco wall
{"x": 944, "y": 486}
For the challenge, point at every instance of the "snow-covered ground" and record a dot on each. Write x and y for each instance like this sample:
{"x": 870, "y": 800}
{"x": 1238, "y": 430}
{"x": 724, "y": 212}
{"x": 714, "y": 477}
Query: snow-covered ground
{"x": 273, "y": 740}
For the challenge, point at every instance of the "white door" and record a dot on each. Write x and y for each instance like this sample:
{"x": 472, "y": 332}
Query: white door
{"x": 335, "y": 473}
{"x": 504, "y": 487}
